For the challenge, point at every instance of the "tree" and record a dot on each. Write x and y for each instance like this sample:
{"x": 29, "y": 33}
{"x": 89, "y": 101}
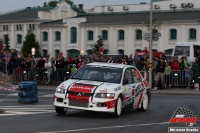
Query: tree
{"x": 7, "y": 46}
{"x": 29, "y": 43}
{"x": 97, "y": 46}
{"x": 45, "y": 4}
{"x": 157, "y": 22}
{"x": 53, "y": 3}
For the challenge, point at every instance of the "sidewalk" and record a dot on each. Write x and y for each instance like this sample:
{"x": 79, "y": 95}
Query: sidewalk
{"x": 173, "y": 91}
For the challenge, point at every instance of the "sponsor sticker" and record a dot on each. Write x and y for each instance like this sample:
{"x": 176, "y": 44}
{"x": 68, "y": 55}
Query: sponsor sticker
{"x": 117, "y": 89}
{"x": 104, "y": 91}
{"x": 82, "y": 88}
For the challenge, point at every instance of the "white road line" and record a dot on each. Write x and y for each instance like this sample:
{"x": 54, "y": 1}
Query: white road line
{"x": 48, "y": 95}
{"x": 99, "y": 128}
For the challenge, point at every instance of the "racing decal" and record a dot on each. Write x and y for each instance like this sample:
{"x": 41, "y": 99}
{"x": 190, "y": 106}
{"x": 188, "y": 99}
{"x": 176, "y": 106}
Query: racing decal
{"x": 62, "y": 86}
{"x": 127, "y": 102}
{"x": 140, "y": 99}
{"x": 79, "y": 97}
{"x": 139, "y": 89}
{"x": 82, "y": 88}
{"x": 108, "y": 84}
{"x": 128, "y": 91}
{"x": 104, "y": 91}
{"x": 111, "y": 104}
{"x": 146, "y": 83}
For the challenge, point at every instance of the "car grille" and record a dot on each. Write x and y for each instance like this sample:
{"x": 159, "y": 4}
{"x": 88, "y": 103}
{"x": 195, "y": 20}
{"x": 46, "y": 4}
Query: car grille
{"x": 60, "y": 100}
{"x": 82, "y": 94}
{"x": 78, "y": 103}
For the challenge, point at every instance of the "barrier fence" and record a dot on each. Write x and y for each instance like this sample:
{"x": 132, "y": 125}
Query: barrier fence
{"x": 176, "y": 78}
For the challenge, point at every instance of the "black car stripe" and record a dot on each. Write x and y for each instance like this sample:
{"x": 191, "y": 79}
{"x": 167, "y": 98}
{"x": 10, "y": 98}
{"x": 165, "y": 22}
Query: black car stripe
{"x": 95, "y": 90}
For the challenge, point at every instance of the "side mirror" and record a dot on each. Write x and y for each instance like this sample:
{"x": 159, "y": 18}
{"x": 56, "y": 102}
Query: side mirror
{"x": 125, "y": 81}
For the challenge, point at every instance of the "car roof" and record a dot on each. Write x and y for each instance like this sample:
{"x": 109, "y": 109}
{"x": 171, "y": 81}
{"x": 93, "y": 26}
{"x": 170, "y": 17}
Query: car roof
{"x": 108, "y": 64}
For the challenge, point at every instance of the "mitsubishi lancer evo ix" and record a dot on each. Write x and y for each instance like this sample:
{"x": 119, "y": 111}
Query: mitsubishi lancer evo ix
{"x": 103, "y": 87}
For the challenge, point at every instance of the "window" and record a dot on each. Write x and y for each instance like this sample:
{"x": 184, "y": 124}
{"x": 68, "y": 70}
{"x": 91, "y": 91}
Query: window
{"x": 73, "y": 35}
{"x": 5, "y": 27}
{"x": 44, "y": 53}
{"x": 173, "y": 34}
{"x": 192, "y": 34}
{"x": 17, "y": 27}
{"x": 30, "y": 28}
{"x": 136, "y": 75}
{"x": 20, "y": 27}
{"x": 33, "y": 27}
{"x": 4, "y": 37}
{"x": 45, "y": 36}
{"x": 90, "y": 35}
{"x": 196, "y": 50}
{"x": 121, "y": 51}
{"x": 138, "y": 34}
{"x": 128, "y": 76}
{"x": 19, "y": 39}
{"x": 57, "y": 53}
{"x": 121, "y": 34}
{"x": 57, "y": 37}
{"x": 105, "y": 35}
{"x": 179, "y": 50}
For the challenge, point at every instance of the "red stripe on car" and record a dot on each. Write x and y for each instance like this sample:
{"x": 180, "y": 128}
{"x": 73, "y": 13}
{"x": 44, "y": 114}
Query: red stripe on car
{"x": 140, "y": 99}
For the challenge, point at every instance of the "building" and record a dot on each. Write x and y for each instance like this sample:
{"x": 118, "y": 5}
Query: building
{"x": 73, "y": 29}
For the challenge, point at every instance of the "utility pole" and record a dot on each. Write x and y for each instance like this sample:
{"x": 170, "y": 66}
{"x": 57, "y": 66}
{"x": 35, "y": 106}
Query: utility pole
{"x": 150, "y": 46}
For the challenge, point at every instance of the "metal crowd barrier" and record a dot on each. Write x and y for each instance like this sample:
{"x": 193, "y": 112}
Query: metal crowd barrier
{"x": 41, "y": 75}
{"x": 176, "y": 78}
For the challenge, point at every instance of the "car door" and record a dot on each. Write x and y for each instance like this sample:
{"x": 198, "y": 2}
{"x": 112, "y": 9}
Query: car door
{"x": 138, "y": 87}
{"x": 128, "y": 89}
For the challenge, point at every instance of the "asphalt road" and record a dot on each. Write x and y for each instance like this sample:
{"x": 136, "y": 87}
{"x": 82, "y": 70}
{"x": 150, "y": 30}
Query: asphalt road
{"x": 41, "y": 117}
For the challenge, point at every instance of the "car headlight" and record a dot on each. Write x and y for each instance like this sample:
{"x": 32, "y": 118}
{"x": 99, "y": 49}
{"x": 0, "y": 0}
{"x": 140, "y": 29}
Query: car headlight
{"x": 105, "y": 95}
{"x": 60, "y": 90}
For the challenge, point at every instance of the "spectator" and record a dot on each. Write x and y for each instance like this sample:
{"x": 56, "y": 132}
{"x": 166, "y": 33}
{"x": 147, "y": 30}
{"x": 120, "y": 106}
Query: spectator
{"x": 145, "y": 50}
{"x": 124, "y": 61}
{"x": 68, "y": 72}
{"x": 76, "y": 61}
{"x": 40, "y": 66}
{"x": 134, "y": 63}
{"x": 130, "y": 61}
{"x": 110, "y": 60}
{"x": 160, "y": 74}
{"x": 187, "y": 76}
{"x": 195, "y": 69}
{"x": 185, "y": 55}
{"x": 167, "y": 73}
{"x": 48, "y": 66}
{"x": 175, "y": 67}
{"x": 73, "y": 69}
{"x": 9, "y": 66}
{"x": 139, "y": 64}
{"x": 117, "y": 60}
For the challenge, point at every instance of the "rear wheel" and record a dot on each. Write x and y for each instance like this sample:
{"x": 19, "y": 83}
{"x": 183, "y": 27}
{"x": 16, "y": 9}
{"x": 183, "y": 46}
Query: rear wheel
{"x": 61, "y": 110}
{"x": 118, "y": 107}
{"x": 145, "y": 103}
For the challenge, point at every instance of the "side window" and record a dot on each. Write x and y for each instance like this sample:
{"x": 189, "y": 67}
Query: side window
{"x": 128, "y": 76}
{"x": 135, "y": 75}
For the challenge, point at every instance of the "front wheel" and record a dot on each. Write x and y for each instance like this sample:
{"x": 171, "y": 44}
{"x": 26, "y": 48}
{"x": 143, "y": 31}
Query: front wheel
{"x": 118, "y": 107}
{"x": 61, "y": 110}
{"x": 145, "y": 103}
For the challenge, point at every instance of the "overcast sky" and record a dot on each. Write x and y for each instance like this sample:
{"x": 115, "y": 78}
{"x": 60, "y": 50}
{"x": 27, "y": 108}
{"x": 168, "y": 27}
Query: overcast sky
{"x": 8, "y": 5}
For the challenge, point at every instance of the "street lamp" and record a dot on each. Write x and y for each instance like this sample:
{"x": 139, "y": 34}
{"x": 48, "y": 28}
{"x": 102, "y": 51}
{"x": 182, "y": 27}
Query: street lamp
{"x": 33, "y": 51}
{"x": 150, "y": 46}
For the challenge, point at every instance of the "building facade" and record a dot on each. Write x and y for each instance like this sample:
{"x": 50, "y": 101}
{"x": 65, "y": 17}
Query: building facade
{"x": 72, "y": 30}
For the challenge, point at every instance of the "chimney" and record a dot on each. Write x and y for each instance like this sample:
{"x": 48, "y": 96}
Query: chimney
{"x": 81, "y": 6}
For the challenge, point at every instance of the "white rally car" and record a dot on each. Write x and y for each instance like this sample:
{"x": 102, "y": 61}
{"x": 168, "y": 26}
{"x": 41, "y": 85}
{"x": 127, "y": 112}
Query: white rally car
{"x": 103, "y": 87}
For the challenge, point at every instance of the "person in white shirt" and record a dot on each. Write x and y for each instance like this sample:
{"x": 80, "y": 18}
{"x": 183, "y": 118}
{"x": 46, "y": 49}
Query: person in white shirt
{"x": 48, "y": 66}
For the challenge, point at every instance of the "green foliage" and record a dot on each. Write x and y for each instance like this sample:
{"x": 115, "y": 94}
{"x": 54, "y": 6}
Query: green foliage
{"x": 45, "y": 4}
{"x": 157, "y": 21}
{"x": 29, "y": 43}
{"x": 53, "y": 3}
{"x": 69, "y": 2}
{"x": 7, "y": 46}
{"x": 96, "y": 47}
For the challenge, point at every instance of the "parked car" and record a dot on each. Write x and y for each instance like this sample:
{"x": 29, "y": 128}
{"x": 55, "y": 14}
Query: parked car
{"x": 103, "y": 87}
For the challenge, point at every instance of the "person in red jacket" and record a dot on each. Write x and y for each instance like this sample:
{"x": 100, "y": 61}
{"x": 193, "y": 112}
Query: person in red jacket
{"x": 175, "y": 68}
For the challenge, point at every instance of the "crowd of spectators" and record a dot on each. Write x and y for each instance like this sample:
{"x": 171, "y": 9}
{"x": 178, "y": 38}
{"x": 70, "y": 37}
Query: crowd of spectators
{"x": 44, "y": 67}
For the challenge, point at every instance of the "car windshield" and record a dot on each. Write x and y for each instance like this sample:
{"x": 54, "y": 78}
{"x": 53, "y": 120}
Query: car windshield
{"x": 179, "y": 50}
{"x": 99, "y": 73}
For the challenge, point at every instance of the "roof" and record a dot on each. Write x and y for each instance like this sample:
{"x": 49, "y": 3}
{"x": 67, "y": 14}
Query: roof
{"x": 108, "y": 64}
{"x": 76, "y": 9}
{"x": 29, "y": 13}
{"x": 55, "y": 22}
{"x": 129, "y": 18}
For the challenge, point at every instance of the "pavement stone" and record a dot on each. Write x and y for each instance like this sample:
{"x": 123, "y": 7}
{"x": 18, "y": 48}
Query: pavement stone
{"x": 173, "y": 91}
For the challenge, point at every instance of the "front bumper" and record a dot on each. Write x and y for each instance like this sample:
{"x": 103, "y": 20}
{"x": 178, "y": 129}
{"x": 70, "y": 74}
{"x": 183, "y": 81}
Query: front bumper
{"x": 95, "y": 104}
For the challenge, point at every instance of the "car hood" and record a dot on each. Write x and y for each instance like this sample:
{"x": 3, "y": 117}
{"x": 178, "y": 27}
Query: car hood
{"x": 88, "y": 86}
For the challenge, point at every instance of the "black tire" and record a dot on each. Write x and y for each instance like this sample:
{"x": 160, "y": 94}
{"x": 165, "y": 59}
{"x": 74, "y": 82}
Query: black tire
{"x": 144, "y": 104}
{"x": 118, "y": 108}
{"x": 61, "y": 110}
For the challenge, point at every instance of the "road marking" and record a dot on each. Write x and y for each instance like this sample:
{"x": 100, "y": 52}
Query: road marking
{"x": 99, "y": 128}
{"x": 48, "y": 95}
